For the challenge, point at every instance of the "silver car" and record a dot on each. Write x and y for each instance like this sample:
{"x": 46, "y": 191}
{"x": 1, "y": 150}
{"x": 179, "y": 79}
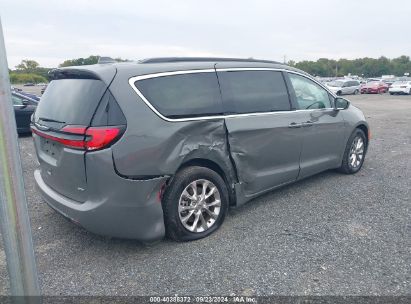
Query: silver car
{"x": 344, "y": 87}
{"x": 164, "y": 146}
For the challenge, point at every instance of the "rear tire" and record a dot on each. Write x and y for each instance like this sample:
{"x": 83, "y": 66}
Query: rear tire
{"x": 194, "y": 204}
{"x": 356, "y": 92}
{"x": 354, "y": 153}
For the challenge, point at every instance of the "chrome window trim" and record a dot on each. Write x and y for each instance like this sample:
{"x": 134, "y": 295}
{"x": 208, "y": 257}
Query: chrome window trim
{"x": 134, "y": 79}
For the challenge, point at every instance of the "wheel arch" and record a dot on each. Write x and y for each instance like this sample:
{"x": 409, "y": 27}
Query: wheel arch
{"x": 228, "y": 178}
{"x": 366, "y": 130}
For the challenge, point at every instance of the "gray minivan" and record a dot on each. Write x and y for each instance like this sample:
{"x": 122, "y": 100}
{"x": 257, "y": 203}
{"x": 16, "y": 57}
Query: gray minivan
{"x": 164, "y": 146}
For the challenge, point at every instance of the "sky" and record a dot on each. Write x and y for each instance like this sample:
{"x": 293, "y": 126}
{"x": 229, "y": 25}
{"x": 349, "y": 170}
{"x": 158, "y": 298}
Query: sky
{"x": 53, "y": 31}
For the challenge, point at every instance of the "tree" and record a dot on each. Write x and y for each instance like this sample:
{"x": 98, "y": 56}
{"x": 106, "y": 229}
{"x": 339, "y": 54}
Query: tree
{"x": 27, "y": 65}
{"x": 368, "y": 67}
{"x": 16, "y": 77}
{"x": 93, "y": 59}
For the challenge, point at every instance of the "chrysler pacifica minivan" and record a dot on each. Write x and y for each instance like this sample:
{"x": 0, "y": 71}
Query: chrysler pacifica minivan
{"x": 164, "y": 146}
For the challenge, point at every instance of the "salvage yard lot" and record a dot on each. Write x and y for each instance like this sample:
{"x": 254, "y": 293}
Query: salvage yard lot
{"x": 330, "y": 234}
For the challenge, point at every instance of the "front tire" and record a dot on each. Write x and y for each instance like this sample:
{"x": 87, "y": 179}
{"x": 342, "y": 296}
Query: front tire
{"x": 194, "y": 204}
{"x": 354, "y": 153}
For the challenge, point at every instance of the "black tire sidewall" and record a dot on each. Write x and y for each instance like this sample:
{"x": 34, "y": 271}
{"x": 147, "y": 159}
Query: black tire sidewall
{"x": 174, "y": 227}
{"x": 346, "y": 167}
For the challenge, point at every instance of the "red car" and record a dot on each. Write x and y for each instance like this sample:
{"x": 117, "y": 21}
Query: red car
{"x": 376, "y": 87}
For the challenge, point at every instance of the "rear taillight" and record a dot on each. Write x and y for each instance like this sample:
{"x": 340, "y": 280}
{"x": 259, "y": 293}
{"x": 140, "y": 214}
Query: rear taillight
{"x": 99, "y": 137}
{"x": 83, "y": 138}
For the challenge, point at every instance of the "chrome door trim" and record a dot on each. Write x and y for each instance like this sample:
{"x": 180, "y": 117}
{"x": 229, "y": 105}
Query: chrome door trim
{"x": 134, "y": 79}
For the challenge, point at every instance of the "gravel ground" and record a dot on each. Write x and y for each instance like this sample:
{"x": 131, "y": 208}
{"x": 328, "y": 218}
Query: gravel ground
{"x": 330, "y": 234}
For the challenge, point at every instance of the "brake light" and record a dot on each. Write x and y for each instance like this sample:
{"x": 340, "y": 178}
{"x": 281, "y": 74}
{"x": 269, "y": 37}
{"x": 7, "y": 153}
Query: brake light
{"x": 100, "y": 137}
{"x": 83, "y": 138}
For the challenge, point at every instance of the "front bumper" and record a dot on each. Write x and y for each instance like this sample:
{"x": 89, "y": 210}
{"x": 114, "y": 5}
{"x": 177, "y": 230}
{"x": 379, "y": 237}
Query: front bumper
{"x": 116, "y": 206}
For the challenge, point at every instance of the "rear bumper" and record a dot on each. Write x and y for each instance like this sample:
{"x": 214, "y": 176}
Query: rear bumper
{"x": 116, "y": 206}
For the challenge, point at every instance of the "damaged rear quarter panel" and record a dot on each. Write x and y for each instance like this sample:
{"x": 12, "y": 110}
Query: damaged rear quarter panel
{"x": 152, "y": 146}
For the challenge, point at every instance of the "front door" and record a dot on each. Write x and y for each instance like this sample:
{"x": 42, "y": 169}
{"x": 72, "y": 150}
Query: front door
{"x": 323, "y": 142}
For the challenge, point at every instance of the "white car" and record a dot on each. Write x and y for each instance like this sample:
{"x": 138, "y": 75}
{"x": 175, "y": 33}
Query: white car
{"x": 344, "y": 86}
{"x": 400, "y": 87}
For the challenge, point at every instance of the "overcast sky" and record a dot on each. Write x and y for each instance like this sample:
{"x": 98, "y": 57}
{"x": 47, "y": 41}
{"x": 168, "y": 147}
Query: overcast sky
{"x": 52, "y": 31}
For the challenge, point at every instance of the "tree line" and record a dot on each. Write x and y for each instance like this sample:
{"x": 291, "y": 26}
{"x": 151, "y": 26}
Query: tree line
{"x": 365, "y": 67}
{"x": 30, "y": 70}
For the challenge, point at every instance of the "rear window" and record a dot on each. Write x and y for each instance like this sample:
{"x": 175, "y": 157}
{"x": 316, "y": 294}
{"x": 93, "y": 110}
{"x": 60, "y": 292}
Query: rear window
{"x": 254, "y": 91}
{"x": 186, "y": 95}
{"x": 70, "y": 101}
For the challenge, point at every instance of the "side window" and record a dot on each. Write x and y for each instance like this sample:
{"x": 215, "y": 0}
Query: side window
{"x": 17, "y": 101}
{"x": 253, "y": 91}
{"x": 186, "y": 95}
{"x": 309, "y": 94}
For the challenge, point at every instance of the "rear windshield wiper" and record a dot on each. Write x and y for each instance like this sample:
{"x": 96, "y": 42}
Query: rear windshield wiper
{"x": 50, "y": 120}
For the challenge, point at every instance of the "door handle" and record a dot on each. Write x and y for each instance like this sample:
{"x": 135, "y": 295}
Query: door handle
{"x": 295, "y": 125}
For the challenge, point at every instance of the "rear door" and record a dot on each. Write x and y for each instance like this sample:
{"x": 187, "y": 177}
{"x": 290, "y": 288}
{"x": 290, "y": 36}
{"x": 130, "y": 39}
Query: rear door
{"x": 264, "y": 138}
{"x": 66, "y": 108}
{"x": 323, "y": 126}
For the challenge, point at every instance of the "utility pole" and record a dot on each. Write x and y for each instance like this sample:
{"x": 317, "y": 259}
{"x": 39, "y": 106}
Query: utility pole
{"x": 14, "y": 220}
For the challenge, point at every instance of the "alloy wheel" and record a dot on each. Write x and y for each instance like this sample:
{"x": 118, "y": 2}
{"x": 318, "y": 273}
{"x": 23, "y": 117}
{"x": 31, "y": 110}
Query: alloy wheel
{"x": 199, "y": 205}
{"x": 356, "y": 152}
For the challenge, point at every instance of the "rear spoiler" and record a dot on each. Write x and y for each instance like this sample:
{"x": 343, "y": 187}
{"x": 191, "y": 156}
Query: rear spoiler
{"x": 72, "y": 74}
{"x": 104, "y": 72}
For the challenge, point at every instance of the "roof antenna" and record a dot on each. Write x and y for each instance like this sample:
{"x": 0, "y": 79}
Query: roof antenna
{"x": 103, "y": 60}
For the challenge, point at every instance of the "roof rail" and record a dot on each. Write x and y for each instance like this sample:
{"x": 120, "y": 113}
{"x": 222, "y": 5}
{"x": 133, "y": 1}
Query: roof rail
{"x": 200, "y": 59}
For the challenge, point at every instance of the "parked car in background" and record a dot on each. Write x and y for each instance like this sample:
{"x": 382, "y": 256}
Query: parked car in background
{"x": 24, "y": 107}
{"x": 170, "y": 143}
{"x": 15, "y": 89}
{"x": 344, "y": 86}
{"x": 389, "y": 81}
{"x": 374, "y": 87}
{"x": 400, "y": 87}
{"x": 29, "y": 84}
{"x": 29, "y": 95}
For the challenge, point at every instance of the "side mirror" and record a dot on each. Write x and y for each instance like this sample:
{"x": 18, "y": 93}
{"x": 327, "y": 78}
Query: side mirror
{"x": 341, "y": 103}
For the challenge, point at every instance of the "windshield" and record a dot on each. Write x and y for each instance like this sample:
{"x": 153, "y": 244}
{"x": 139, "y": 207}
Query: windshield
{"x": 336, "y": 83}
